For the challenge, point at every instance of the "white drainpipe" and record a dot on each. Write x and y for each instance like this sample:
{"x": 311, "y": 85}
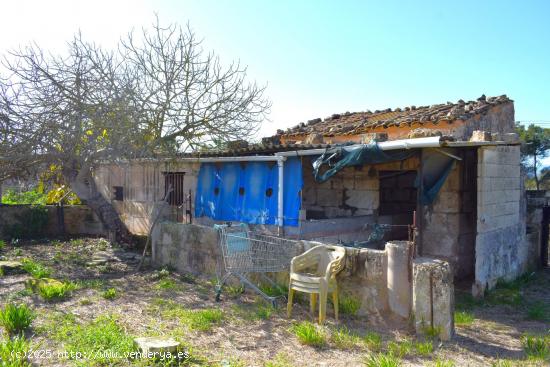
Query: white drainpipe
{"x": 280, "y": 192}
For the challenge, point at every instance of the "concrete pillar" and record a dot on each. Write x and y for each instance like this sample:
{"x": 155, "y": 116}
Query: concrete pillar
{"x": 433, "y": 297}
{"x": 399, "y": 282}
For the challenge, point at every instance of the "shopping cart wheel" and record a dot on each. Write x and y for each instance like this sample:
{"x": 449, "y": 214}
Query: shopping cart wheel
{"x": 218, "y": 293}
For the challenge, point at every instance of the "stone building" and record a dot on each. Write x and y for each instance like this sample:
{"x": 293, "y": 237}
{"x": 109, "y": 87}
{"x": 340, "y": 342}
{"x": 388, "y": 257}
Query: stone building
{"x": 447, "y": 173}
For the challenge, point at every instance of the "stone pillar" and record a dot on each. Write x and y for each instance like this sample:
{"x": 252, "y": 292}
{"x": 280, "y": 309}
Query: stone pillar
{"x": 399, "y": 282}
{"x": 433, "y": 297}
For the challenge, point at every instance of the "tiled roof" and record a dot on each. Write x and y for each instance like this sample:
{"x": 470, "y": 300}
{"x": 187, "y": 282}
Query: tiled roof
{"x": 364, "y": 122}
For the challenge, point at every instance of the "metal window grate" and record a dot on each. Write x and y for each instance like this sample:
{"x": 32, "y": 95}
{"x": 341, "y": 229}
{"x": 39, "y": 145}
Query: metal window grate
{"x": 175, "y": 181}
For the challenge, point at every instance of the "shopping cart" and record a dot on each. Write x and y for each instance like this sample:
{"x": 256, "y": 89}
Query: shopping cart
{"x": 246, "y": 252}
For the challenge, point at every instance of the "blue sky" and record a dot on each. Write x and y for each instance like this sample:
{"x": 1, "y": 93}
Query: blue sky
{"x": 324, "y": 57}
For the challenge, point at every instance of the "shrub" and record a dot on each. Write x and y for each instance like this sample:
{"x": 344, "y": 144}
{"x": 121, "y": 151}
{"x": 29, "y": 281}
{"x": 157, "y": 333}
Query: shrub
{"x": 309, "y": 334}
{"x": 16, "y": 318}
{"x": 2, "y": 245}
{"x": 12, "y": 197}
{"x": 109, "y": 293}
{"x": 536, "y": 347}
{"x": 13, "y": 352}
{"x": 36, "y": 269}
{"x": 382, "y": 360}
{"x": 30, "y": 224}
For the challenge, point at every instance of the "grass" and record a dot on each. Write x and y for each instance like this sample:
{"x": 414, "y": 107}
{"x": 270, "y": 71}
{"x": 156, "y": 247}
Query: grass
{"x": 264, "y": 311}
{"x": 16, "y": 318}
{"x": 200, "y": 320}
{"x": 274, "y": 290}
{"x": 13, "y": 352}
{"x": 349, "y": 305}
{"x": 400, "y": 349}
{"x": 167, "y": 284}
{"x": 101, "y": 339}
{"x": 424, "y": 348}
{"x": 373, "y": 341}
{"x": 443, "y": 363}
{"x": 280, "y": 360}
{"x": 536, "y": 347}
{"x": 109, "y": 293}
{"x": 309, "y": 334}
{"x": 463, "y": 318}
{"x": 343, "y": 338}
{"x": 537, "y": 311}
{"x": 382, "y": 360}
{"x": 37, "y": 270}
{"x": 91, "y": 283}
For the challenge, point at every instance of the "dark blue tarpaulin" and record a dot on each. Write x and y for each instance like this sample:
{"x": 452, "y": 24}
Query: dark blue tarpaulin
{"x": 247, "y": 191}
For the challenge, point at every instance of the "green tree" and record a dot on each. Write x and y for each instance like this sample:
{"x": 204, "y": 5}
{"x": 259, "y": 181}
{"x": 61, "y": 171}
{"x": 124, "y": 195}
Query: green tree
{"x": 535, "y": 145}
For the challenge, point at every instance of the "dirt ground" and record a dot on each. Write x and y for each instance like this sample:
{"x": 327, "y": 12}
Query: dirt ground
{"x": 492, "y": 338}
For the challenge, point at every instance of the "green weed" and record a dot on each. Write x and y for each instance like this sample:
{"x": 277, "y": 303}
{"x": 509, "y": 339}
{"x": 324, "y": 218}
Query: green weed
{"x": 536, "y": 347}
{"x": 200, "y": 320}
{"x": 382, "y": 360}
{"x": 537, "y": 311}
{"x": 309, "y": 334}
{"x": 280, "y": 360}
{"x": 16, "y": 318}
{"x": 36, "y": 269}
{"x": 443, "y": 363}
{"x": 274, "y": 290}
{"x": 13, "y": 352}
{"x": 349, "y": 305}
{"x": 373, "y": 341}
{"x": 400, "y": 349}
{"x": 54, "y": 290}
{"x": 102, "y": 338}
{"x": 463, "y": 318}
{"x": 167, "y": 284}
{"x": 109, "y": 293}
{"x": 2, "y": 245}
{"x": 343, "y": 338}
{"x": 424, "y": 349}
{"x": 264, "y": 312}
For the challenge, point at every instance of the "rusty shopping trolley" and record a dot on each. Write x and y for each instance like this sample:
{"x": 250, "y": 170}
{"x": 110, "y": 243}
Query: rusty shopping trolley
{"x": 245, "y": 252}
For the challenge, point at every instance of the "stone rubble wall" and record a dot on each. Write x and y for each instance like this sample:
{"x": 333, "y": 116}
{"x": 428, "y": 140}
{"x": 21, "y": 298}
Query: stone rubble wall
{"x": 79, "y": 220}
{"x": 501, "y": 249}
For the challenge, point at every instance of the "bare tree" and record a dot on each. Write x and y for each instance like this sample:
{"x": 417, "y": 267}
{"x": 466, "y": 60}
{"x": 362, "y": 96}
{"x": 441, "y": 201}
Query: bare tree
{"x": 159, "y": 94}
{"x": 189, "y": 100}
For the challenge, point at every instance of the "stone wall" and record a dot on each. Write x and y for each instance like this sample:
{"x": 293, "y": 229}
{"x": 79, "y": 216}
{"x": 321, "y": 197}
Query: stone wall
{"x": 79, "y": 220}
{"x": 380, "y": 280}
{"x": 500, "y": 241}
{"x": 448, "y": 226}
{"x": 351, "y": 192}
{"x": 194, "y": 249}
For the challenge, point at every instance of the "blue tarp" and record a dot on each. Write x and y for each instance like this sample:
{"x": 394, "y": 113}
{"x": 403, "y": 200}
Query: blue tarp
{"x": 247, "y": 192}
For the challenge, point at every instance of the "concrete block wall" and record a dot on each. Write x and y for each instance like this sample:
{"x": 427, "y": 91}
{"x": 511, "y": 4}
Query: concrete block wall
{"x": 448, "y": 224}
{"x": 351, "y": 192}
{"x": 500, "y": 240}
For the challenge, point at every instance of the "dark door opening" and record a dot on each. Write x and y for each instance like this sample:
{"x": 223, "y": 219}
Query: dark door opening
{"x": 544, "y": 236}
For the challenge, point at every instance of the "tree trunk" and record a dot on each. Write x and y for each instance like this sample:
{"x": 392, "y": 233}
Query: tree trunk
{"x": 84, "y": 186}
{"x": 535, "y": 169}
